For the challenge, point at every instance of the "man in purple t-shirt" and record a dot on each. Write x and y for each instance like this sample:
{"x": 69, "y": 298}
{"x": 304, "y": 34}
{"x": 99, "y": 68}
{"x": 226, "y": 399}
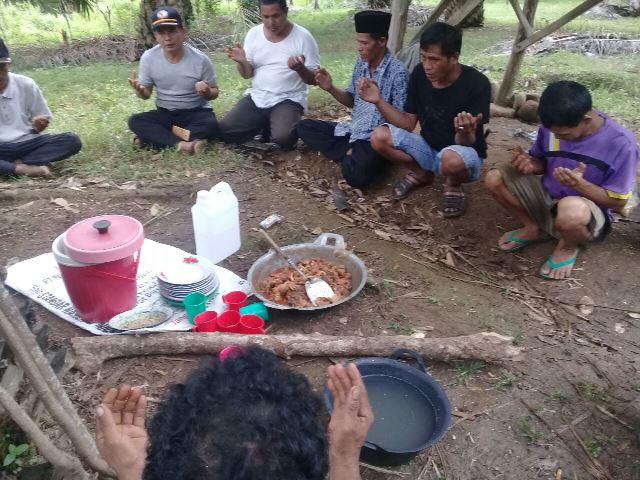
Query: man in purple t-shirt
{"x": 581, "y": 168}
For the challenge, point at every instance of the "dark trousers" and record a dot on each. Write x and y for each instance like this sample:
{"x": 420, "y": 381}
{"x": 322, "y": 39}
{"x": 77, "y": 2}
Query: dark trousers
{"x": 154, "y": 128}
{"x": 40, "y": 150}
{"x": 359, "y": 167}
{"x": 246, "y": 120}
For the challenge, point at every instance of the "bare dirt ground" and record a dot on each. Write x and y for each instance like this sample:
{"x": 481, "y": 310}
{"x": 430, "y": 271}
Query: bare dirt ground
{"x": 520, "y": 420}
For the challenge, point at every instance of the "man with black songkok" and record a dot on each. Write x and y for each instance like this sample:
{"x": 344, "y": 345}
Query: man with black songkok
{"x": 349, "y": 142}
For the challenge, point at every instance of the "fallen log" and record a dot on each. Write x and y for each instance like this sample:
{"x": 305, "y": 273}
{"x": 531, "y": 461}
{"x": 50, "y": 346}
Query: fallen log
{"x": 90, "y": 352}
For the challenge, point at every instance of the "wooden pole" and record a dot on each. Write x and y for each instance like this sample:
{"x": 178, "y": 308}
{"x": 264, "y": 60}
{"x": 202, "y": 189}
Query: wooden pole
{"x": 399, "y": 14}
{"x": 528, "y": 29}
{"x": 459, "y": 15}
{"x": 69, "y": 467}
{"x": 515, "y": 60}
{"x": 44, "y": 381}
{"x": 553, "y": 26}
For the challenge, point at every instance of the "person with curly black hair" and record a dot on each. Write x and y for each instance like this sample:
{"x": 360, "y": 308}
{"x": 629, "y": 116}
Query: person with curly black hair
{"x": 247, "y": 417}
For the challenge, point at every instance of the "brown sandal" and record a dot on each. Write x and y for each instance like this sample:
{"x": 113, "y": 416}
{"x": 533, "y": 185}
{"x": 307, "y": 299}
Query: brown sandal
{"x": 403, "y": 187}
{"x": 453, "y": 202}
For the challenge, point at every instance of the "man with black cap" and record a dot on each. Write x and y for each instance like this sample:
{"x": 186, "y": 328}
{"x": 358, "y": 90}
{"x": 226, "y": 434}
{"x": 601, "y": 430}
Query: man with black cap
{"x": 280, "y": 58}
{"x": 185, "y": 83}
{"x": 349, "y": 142}
{"x": 24, "y": 114}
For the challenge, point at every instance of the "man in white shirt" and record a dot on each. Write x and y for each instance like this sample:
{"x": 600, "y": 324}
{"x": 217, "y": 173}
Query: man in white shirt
{"x": 185, "y": 83}
{"x": 280, "y": 57}
{"x": 24, "y": 114}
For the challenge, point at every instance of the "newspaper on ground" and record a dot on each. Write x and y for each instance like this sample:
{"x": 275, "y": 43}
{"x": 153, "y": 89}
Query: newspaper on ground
{"x": 39, "y": 279}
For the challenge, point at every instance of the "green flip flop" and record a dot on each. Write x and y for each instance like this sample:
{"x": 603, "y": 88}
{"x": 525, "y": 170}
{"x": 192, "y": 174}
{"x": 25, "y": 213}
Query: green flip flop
{"x": 522, "y": 242}
{"x": 554, "y": 266}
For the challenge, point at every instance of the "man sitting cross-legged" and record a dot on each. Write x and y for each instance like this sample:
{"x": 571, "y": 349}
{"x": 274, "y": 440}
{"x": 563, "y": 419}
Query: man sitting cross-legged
{"x": 451, "y": 101}
{"x": 587, "y": 164}
{"x": 185, "y": 83}
{"x": 24, "y": 114}
{"x": 350, "y": 142}
{"x": 279, "y": 57}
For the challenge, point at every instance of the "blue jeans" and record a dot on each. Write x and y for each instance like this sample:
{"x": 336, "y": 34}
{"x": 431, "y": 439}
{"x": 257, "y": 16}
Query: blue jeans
{"x": 428, "y": 157}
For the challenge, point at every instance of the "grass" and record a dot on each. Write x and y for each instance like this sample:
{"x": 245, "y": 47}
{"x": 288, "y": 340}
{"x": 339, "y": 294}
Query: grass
{"x": 467, "y": 369}
{"x": 593, "y": 392}
{"x": 518, "y": 339}
{"x": 95, "y": 100}
{"x": 596, "y": 444}
{"x": 560, "y": 396}
{"x": 506, "y": 380}
{"x": 401, "y": 329}
{"x": 529, "y": 430}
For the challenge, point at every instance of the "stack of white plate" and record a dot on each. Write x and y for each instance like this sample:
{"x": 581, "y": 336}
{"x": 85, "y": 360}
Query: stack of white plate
{"x": 184, "y": 275}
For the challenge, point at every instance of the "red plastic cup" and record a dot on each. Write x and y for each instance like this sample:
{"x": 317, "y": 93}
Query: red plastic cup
{"x": 229, "y": 321}
{"x": 251, "y": 324}
{"x": 235, "y": 300}
{"x": 206, "y": 322}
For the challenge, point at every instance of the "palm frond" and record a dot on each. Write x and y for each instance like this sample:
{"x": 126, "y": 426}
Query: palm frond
{"x": 59, "y": 7}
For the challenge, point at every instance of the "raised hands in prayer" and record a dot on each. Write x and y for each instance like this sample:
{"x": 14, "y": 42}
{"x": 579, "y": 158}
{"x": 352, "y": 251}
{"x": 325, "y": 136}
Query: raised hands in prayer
{"x": 351, "y": 420}
{"x": 568, "y": 177}
{"x": 236, "y": 53}
{"x": 466, "y": 123}
{"x": 323, "y": 79}
{"x": 368, "y": 90}
{"x": 296, "y": 62}
{"x": 141, "y": 90}
{"x": 40, "y": 122}
{"x": 121, "y": 436}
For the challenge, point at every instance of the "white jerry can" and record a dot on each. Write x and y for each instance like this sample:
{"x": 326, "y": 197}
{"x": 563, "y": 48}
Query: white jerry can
{"x": 216, "y": 223}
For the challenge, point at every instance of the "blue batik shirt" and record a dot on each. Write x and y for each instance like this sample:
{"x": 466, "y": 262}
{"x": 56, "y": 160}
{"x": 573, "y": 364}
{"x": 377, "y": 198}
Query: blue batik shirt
{"x": 392, "y": 78}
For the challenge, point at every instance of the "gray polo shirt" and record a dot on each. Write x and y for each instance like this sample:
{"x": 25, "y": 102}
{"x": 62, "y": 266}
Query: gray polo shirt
{"x": 21, "y": 100}
{"x": 175, "y": 82}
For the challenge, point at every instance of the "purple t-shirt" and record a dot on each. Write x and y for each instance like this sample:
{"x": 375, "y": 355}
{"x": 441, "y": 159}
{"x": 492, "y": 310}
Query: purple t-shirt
{"x": 610, "y": 154}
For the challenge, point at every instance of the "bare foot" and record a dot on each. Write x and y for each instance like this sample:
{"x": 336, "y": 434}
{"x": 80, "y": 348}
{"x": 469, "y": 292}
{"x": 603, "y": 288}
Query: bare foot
{"x": 199, "y": 146}
{"x": 561, "y": 262}
{"x": 33, "y": 170}
{"x": 186, "y": 147}
{"x": 518, "y": 239}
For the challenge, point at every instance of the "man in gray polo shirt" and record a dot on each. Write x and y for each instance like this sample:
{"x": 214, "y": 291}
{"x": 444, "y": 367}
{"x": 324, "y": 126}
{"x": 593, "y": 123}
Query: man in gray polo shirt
{"x": 185, "y": 83}
{"x": 23, "y": 115}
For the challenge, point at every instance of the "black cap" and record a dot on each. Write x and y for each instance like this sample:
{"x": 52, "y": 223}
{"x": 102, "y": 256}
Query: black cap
{"x": 372, "y": 21}
{"x": 165, "y": 17}
{"x": 4, "y": 52}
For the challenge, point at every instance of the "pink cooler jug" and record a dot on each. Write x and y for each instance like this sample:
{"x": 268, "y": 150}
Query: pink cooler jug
{"x": 98, "y": 259}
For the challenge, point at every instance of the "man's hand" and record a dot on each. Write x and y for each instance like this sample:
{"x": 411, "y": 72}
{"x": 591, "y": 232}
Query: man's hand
{"x": 141, "y": 90}
{"x": 464, "y": 122}
{"x": 368, "y": 90}
{"x": 351, "y": 420}
{"x": 236, "y": 53}
{"x": 202, "y": 88}
{"x": 120, "y": 433}
{"x": 296, "y": 63}
{"x": 323, "y": 79}
{"x": 40, "y": 122}
{"x": 522, "y": 162}
{"x": 568, "y": 177}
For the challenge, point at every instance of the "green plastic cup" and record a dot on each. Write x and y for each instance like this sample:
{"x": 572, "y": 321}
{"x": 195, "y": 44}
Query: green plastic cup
{"x": 194, "y": 303}
{"x": 258, "y": 308}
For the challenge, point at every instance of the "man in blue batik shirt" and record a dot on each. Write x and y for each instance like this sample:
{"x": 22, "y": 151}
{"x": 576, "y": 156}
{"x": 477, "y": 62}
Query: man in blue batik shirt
{"x": 349, "y": 142}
